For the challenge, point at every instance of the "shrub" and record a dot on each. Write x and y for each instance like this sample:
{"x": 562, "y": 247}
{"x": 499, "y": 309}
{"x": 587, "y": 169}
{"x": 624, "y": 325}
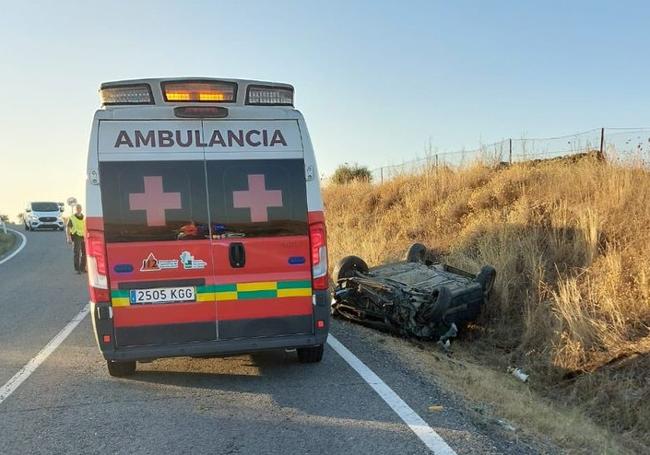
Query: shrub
{"x": 347, "y": 173}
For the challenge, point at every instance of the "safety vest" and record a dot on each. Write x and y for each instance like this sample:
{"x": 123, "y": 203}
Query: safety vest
{"x": 78, "y": 226}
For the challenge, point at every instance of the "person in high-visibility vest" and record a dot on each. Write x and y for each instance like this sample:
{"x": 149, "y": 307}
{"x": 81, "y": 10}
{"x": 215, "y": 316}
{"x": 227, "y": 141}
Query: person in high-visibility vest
{"x": 75, "y": 230}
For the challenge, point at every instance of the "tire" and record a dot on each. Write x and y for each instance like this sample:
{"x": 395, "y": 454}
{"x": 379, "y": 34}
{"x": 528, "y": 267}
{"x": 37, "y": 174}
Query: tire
{"x": 416, "y": 253}
{"x": 436, "y": 312}
{"x": 347, "y": 266}
{"x": 486, "y": 278}
{"x": 310, "y": 355}
{"x": 120, "y": 369}
{"x": 26, "y": 228}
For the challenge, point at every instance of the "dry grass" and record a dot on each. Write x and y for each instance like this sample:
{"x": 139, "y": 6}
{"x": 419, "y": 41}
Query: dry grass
{"x": 571, "y": 244}
{"x": 6, "y": 242}
{"x": 497, "y": 397}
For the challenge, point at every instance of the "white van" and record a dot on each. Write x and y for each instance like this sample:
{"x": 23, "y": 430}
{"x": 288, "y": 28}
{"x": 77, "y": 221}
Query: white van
{"x": 205, "y": 230}
{"x": 43, "y": 215}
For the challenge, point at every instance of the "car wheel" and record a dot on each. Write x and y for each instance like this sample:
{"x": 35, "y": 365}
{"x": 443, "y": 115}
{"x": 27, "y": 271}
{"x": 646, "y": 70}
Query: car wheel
{"x": 440, "y": 301}
{"x": 347, "y": 267}
{"x": 486, "y": 278}
{"x": 26, "y": 228}
{"x": 120, "y": 369}
{"x": 310, "y": 355}
{"x": 416, "y": 253}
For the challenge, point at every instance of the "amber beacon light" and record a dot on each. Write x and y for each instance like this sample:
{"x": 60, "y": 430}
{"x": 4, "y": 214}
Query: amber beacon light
{"x": 201, "y": 92}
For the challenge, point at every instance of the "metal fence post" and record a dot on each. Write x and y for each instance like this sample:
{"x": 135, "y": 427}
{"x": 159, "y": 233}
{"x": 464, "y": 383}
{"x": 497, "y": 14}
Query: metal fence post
{"x": 510, "y": 150}
{"x": 381, "y": 173}
{"x": 601, "y": 153}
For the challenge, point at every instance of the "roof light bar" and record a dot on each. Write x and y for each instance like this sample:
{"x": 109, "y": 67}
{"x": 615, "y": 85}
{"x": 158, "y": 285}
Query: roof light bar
{"x": 200, "y": 91}
{"x": 125, "y": 94}
{"x": 266, "y": 95}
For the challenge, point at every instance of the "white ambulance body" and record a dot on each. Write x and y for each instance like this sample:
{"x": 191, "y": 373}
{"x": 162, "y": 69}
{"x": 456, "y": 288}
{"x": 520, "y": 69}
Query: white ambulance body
{"x": 205, "y": 228}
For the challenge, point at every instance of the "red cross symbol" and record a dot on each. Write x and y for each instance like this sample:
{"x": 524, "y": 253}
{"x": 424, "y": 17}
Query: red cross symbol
{"x": 257, "y": 198}
{"x": 154, "y": 201}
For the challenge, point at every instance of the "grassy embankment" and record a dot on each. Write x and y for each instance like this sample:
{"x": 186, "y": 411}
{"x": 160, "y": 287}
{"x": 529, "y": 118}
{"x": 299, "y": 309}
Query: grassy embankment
{"x": 571, "y": 244}
{"x": 6, "y": 242}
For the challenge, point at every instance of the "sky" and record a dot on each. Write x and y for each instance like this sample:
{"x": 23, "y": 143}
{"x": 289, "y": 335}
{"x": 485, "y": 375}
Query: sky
{"x": 376, "y": 81}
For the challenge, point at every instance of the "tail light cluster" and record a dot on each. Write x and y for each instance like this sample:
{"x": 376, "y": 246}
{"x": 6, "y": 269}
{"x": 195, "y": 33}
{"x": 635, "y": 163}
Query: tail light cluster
{"x": 97, "y": 267}
{"x": 318, "y": 243}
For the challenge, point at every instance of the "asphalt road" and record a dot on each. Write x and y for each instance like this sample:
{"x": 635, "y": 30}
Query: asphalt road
{"x": 262, "y": 403}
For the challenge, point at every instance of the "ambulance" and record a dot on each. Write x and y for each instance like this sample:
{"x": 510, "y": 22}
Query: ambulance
{"x": 205, "y": 233}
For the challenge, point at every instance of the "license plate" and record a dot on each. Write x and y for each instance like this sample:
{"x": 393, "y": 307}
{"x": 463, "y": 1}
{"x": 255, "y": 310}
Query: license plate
{"x": 162, "y": 295}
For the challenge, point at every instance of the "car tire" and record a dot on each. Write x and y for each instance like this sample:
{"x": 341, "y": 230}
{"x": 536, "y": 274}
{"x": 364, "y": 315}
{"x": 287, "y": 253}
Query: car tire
{"x": 486, "y": 278}
{"x": 120, "y": 369}
{"x": 347, "y": 267}
{"x": 416, "y": 253}
{"x": 310, "y": 355}
{"x": 26, "y": 228}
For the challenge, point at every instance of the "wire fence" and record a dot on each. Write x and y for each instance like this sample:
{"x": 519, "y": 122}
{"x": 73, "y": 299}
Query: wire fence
{"x": 621, "y": 144}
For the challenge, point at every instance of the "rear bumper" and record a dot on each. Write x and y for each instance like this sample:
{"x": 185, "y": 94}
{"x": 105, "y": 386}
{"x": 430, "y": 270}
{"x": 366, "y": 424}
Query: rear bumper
{"x": 215, "y": 347}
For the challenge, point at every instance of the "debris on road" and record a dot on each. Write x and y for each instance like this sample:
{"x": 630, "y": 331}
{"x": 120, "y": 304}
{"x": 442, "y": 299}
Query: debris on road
{"x": 506, "y": 425}
{"x": 436, "y": 408}
{"x": 419, "y": 297}
{"x": 518, "y": 373}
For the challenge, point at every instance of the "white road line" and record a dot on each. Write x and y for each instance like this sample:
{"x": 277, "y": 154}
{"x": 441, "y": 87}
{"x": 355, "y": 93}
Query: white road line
{"x": 22, "y": 245}
{"x": 421, "y": 429}
{"x": 12, "y": 384}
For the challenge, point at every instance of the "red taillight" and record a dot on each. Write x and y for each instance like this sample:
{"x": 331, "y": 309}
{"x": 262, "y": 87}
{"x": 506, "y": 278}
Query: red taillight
{"x": 97, "y": 267}
{"x": 318, "y": 245}
{"x": 99, "y": 294}
{"x": 96, "y": 248}
{"x": 316, "y": 240}
{"x": 320, "y": 284}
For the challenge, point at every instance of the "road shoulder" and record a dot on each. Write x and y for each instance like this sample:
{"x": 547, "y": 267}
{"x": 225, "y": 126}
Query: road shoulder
{"x": 413, "y": 374}
{"x": 8, "y": 243}
{"x": 11, "y": 243}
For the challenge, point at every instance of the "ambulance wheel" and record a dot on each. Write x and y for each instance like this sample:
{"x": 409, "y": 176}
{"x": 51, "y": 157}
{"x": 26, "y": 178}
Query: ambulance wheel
{"x": 120, "y": 369}
{"x": 310, "y": 355}
{"x": 346, "y": 267}
{"x": 416, "y": 253}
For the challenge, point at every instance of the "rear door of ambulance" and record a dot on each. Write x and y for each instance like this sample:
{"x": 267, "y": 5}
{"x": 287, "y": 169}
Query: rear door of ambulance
{"x": 260, "y": 236}
{"x": 154, "y": 199}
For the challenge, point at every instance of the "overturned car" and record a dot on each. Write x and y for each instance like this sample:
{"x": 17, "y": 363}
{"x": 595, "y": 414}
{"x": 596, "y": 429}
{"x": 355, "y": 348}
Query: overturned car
{"x": 419, "y": 297}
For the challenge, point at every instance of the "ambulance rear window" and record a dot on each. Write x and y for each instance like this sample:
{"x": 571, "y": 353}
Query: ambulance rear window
{"x": 191, "y": 200}
{"x": 256, "y": 198}
{"x": 148, "y": 201}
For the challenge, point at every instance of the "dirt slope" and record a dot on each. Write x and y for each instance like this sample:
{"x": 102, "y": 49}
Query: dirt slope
{"x": 571, "y": 243}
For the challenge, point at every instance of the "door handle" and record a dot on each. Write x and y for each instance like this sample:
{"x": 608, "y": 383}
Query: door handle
{"x": 237, "y": 255}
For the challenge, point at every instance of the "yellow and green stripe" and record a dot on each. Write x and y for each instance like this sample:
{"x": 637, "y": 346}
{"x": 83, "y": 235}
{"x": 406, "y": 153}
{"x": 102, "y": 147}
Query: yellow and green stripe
{"x": 236, "y": 291}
